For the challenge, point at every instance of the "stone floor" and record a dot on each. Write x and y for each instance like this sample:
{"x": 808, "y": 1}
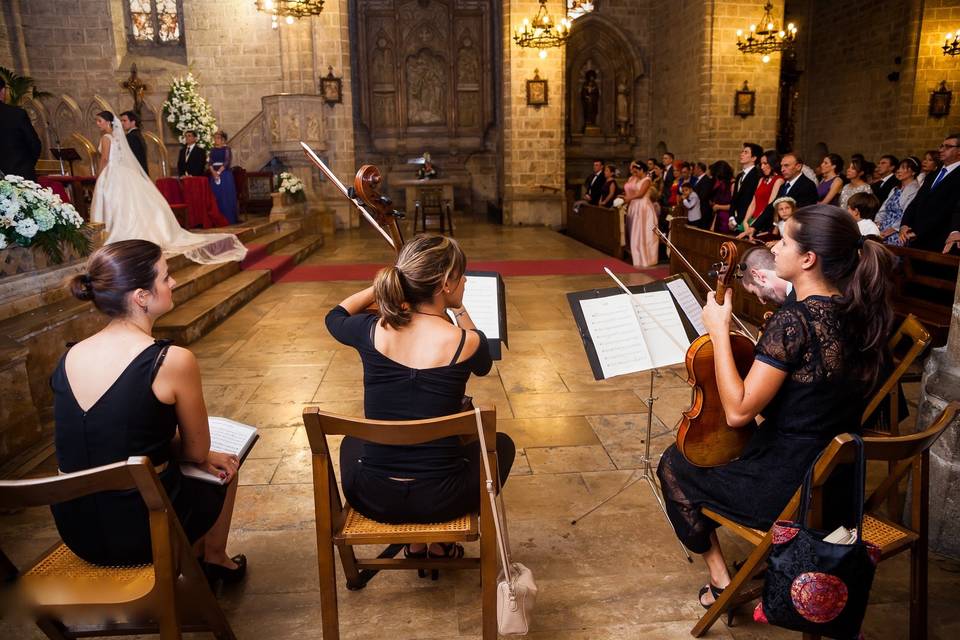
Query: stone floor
{"x": 617, "y": 574}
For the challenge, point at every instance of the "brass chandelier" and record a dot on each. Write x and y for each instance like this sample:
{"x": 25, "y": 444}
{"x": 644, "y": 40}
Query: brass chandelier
{"x": 768, "y": 38}
{"x": 290, "y": 10}
{"x": 541, "y": 32}
{"x": 952, "y": 46}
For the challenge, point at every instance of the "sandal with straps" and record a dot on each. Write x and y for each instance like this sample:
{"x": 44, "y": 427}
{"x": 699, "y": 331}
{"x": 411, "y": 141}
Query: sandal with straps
{"x": 451, "y": 551}
{"x": 715, "y": 592}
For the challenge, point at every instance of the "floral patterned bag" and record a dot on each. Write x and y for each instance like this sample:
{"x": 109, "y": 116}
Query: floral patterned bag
{"x": 815, "y": 586}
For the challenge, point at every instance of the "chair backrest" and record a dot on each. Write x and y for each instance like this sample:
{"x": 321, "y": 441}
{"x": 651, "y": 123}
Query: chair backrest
{"x": 430, "y": 197}
{"x": 910, "y": 329}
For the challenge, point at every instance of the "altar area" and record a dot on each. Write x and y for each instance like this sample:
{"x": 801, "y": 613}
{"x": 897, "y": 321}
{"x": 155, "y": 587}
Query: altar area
{"x": 616, "y": 575}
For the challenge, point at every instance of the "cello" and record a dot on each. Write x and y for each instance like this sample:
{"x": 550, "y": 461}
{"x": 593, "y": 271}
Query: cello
{"x": 703, "y": 435}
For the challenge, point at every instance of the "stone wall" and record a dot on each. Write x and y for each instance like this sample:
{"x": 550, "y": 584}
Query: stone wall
{"x": 850, "y": 49}
{"x": 533, "y": 137}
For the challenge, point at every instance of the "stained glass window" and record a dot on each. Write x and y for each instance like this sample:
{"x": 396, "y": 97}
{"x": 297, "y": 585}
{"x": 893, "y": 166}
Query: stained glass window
{"x": 155, "y": 21}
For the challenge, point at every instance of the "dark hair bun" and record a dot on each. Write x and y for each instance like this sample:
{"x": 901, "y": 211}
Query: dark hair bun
{"x": 81, "y": 286}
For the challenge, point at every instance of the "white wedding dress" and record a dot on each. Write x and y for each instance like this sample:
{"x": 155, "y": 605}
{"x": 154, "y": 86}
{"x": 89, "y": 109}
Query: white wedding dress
{"x": 131, "y": 207}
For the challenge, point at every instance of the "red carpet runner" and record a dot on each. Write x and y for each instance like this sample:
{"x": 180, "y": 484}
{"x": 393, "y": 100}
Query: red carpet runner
{"x": 366, "y": 271}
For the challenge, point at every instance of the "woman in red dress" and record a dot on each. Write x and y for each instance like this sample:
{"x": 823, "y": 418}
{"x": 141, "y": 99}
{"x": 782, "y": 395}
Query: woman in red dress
{"x": 770, "y": 183}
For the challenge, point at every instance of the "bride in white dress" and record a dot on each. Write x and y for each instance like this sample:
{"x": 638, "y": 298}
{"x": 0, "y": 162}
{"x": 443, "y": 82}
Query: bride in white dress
{"x": 131, "y": 207}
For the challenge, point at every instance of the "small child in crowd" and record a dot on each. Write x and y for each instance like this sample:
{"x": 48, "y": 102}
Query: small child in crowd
{"x": 783, "y": 209}
{"x": 863, "y": 207}
{"x": 691, "y": 202}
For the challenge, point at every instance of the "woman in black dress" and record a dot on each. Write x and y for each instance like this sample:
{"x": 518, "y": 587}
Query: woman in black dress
{"x": 120, "y": 393}
{"x": 817, "y": 360}
{"x": 415, "y": 366}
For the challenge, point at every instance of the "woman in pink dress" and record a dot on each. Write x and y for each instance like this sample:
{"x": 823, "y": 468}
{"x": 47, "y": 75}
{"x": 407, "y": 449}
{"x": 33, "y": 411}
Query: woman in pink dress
{"x": 641, "y": 217}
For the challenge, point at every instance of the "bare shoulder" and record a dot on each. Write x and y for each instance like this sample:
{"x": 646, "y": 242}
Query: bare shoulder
{"x": 180, "y": 361}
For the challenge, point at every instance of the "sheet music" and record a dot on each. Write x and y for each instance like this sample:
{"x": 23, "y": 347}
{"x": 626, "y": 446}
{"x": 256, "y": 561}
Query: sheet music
{"x": 662, "y": 329}
{"x": 481, "y": 300}
{"x": 616, "y": 334}
{"x": 688, "y": 302}
{"x": 226, "y": 436}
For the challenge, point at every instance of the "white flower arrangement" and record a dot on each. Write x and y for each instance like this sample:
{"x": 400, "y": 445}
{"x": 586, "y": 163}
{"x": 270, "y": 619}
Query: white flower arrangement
{"x": 186, "y": 110}
{"x": 292, "y": 186}
{"x": 31, "y": 215}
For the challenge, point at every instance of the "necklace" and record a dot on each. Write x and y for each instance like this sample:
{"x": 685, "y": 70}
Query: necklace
{"x": 435, "y": 315}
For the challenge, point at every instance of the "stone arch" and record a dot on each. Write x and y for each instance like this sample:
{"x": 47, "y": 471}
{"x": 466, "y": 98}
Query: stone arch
{"x": 67, "y": 117}
{"x": 96, "y": 105}
{"x": 597, "y": 43}
{"x": 40, "y": 119}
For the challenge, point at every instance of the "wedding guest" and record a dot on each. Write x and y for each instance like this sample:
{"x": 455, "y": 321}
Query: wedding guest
{"x": 885, "y": 178}
{"x": 192, "y": 160}
{"x": 783, "y": 210}
{"x": 130, "y": 122}
{"x": 929, "y": 164}
{"x": 121, "y": 393}
{"x": 703, "y": 186}
{"x": 221, "y": 178}
{"x": 641, "y": 217}
{"x": 891, "y": 211}
{"x": 720, "y": 197}
{"x": 856, "y": 174}
{"x": 796, "y": 184}
{"x": 19, "y": 144}
{"x": 691, "y": 202}
{"x": 746, "y": 182}
{"x": 609, "y": 186}
{"x": 769, "y": 184}
{"x": 932, "y": 221}
{"x": 863, "y": 207}
{"x": 593, "y": 185}
{"x": 828, "y": 191}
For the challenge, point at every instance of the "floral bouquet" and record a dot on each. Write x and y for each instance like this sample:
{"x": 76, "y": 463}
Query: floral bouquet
{"x": 31, "y": 215}
{"x": 292, "y": 187}
{"x": 186, "y": 110}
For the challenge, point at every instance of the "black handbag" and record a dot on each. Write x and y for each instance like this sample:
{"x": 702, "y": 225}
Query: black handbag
{"x": 815, "y": 586}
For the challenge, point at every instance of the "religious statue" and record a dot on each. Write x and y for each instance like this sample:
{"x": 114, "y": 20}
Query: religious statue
{"x": 590, "y": 99}
{"x": 623, "y": 108}
{"x": 426, "y": 88}
{"x": 426, "y": 171}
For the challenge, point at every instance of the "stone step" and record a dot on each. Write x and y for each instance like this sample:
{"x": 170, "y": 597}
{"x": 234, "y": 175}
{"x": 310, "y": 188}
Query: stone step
{"x": 194, "y": 279}
{"x": 247, "y": 232}
{"x": 270, "y": 243}
{"x": 191, "y": 320}
{"x": 289, "y": 256}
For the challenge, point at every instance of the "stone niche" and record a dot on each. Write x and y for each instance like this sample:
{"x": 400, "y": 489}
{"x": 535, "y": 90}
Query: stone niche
{"x": 424, "y": 76}
{"x": 603, "y": 96}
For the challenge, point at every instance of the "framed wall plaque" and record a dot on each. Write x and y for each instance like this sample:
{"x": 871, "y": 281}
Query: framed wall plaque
{"x": 537, "y": 95}
{"x": 940, "y": 100}
{"x": 744, "y": 101}
{"x": 331, "y": 88}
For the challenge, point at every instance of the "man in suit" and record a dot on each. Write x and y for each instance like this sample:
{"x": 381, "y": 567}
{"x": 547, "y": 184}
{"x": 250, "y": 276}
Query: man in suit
{"x": 703, "y": 187}
{"x": 795, "y": 185}
{"x": 668, "y": 177}
{"x": 131, "y": 124}
{"x": 885, "y": 168}
{"x": 747, "y": 180}
{"x": 593, "y": 185}
{"x": 19, "y": 143}
{"x": 192, "y": 160}
{"x": 932, "y": 221}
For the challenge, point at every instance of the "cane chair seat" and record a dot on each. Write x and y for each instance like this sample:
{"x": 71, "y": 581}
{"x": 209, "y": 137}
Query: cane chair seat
{"x": 885, "y": 535}
{"x": 79, "y": 582}
{"x": 359, "y": 529}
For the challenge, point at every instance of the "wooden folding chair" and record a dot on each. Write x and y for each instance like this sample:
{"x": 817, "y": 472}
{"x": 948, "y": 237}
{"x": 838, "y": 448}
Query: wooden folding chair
{"x": 65, "y": 594}
{"x": 911, "y": 330}
{"x": 339, "y": 525}
{"x": 908, "y": 453}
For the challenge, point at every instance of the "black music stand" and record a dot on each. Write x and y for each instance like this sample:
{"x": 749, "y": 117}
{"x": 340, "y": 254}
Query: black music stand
{"x": 65, "y": 154}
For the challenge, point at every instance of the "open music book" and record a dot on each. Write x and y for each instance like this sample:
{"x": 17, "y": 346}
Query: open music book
{"x": 627, "y": 334}
{"x": 484, "y": 298}
{"x": 226, "y": 436}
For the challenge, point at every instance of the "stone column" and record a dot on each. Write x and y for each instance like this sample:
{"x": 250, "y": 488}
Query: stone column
{"x": 534, "y": 159}
{"x": 941, "y": 385}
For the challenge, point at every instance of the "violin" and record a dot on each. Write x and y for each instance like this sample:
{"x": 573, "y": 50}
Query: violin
{"x": 703, "y": 435}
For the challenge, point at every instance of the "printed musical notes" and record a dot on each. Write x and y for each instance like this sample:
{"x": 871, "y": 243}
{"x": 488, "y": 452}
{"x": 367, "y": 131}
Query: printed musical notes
{"x": 691, "y": 307}
{"x": 616, "y": 335}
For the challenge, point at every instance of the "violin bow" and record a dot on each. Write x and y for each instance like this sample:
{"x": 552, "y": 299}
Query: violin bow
{"x": 347, "y": 193}
{"x": 703, "y": 282}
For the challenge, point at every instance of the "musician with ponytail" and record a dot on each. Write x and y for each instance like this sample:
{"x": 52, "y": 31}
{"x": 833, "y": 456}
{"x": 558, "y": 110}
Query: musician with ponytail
{"x": 416, "y": 364}
{"x": 816, "y": 365}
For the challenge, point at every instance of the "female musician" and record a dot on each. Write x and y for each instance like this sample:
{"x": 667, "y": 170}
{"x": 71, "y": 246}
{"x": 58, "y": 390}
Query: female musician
{"x": 415, "y": 366}
{"x": 814, "y": 356}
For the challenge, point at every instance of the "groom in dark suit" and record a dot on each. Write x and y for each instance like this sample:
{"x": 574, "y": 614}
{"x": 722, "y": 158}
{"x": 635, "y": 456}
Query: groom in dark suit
{"x": 19, "y": 143}
{"x": 131, "y": 124}
{"x": 192, "y": 160}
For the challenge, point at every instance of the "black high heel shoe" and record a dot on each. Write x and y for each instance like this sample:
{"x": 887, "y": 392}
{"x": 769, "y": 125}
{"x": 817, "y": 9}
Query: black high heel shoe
{"x": 215, "y": 572}
{"x": 715, "y": 592}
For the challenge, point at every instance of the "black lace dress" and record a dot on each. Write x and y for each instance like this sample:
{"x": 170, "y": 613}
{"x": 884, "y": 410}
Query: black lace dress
{"x": 815, "y": 403}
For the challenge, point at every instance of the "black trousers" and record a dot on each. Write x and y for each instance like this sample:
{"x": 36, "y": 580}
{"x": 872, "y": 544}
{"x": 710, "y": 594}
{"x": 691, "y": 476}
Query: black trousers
{"x": 418, "y": 500}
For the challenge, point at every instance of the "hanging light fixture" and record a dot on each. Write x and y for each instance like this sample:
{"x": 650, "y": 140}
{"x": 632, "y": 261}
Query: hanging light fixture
{"x": 766, "y": 38}
{"x": 290, "y": 10}
{"x": 541, "y": 32}
{"x": 952, "y": 46}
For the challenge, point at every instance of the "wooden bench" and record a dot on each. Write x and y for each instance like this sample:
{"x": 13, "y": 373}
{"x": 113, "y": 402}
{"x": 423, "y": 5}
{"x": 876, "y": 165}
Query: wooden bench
{"x": 925, "y": 282}
{"x": 597, "y": 227}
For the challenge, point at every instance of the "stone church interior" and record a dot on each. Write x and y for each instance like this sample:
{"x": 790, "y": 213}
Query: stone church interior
{"x": 442, "y": 319}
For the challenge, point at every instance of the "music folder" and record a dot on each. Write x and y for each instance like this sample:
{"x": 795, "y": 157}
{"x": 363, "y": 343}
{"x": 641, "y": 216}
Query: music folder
{"x": 622, "y": 336}
{"x": 484, "y": 298}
